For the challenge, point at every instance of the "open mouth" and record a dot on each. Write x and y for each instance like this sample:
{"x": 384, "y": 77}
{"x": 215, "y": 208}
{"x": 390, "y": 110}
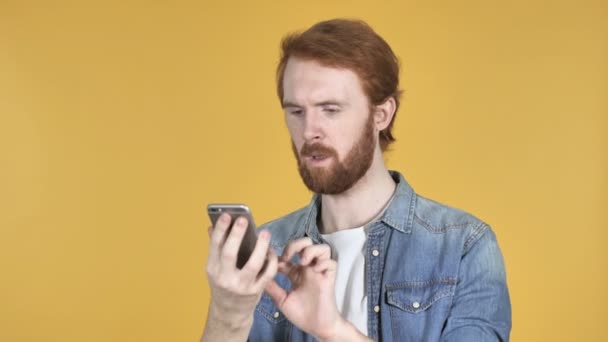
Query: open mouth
{"x": 317, "y": 158}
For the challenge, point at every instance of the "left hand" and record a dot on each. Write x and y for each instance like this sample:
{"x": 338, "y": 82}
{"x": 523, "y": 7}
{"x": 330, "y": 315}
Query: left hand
{"x": 311, "y": 304}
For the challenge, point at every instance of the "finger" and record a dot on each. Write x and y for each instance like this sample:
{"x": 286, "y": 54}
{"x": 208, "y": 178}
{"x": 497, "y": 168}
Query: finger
{"x": 291, "y": 270}
{"x": 314, "y": 253}
{"x": 258, "y": 256}
{"x": 294, "y": 247}
{"x": 285, "y": 267}
{"x": 218, "y": 235}
{"x": 208, "y": 268}
{"x": 231, "y": 246}
{"x": 276, "y": 292}
{"x": 270, "y": 270}
{"x": 325, "y": 266}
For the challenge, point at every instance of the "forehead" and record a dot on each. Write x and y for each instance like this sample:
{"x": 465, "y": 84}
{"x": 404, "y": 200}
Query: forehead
{"x": 308, "y": 80}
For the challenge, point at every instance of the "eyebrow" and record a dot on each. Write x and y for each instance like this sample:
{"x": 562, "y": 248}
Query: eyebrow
{"x": 288, "y": 104}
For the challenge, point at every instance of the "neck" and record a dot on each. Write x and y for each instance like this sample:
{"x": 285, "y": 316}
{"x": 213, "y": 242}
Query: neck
{"x": 361, "y": 203}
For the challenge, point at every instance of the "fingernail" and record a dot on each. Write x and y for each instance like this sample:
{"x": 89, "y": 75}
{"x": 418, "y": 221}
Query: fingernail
{"x": 264, "y": 235}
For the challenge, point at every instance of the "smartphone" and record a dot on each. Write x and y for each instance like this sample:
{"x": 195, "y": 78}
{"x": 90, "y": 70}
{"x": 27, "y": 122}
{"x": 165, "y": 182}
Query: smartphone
{"x": 235, "y": 211}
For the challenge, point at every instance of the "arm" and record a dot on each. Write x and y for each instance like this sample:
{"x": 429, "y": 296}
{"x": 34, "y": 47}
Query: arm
{"x": 235, "y": 292}
{"x": 218, "y": 328}
{"x": 481, "y": 310}
{"x": 346, "y": 332}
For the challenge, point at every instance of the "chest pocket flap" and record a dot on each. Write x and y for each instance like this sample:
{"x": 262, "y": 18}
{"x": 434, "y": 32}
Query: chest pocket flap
{"x": 417, "y": 296}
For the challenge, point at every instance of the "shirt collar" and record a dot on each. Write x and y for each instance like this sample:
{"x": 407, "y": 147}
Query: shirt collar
{"x": 398, "y": 215}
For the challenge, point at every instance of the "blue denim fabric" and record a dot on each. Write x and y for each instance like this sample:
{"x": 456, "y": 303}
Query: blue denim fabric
{"x": 439, "y": 275}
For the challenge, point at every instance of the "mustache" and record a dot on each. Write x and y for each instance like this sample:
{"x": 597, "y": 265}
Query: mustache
{"x": 308, "y": 150}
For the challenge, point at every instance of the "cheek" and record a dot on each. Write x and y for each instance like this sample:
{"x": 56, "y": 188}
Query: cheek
{"x": 291, "y": 125}
{"x": 342, "y": 144}
{"x": 346, "y": 138}
{"x": 294, "y": 132}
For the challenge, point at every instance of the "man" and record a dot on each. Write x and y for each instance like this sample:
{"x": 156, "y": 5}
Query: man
{"x": 368, "y": 258}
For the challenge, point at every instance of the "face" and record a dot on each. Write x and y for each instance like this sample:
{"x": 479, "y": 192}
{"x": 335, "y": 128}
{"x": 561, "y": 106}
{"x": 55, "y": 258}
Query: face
{"x": 332, "y": 130}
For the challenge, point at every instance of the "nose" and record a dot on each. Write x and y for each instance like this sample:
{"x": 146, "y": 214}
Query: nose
{"x": 313, "y": 129}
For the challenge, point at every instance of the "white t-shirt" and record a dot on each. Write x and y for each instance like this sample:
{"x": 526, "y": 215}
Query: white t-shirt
{"x": 351, "y": 297}
{"x": 349, "y": 248}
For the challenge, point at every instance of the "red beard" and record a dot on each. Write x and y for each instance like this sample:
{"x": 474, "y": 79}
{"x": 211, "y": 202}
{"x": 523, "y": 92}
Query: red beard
{"x": 339, "y": 176}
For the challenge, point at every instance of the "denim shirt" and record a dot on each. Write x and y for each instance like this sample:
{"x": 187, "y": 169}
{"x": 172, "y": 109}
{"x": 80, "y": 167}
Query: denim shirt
{"x": 433, "y": 273}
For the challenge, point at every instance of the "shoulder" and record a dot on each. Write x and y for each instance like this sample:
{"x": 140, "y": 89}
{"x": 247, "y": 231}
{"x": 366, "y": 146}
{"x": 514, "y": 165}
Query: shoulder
{"x": 441, "y": 219}
{"x": 287, "y": 227}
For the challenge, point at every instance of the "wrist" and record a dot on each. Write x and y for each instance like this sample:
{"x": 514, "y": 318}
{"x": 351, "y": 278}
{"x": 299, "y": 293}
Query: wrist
{"x": 222, "y": 327}
{"x": 229, "y": 321}
{"x": 342, "y": 331}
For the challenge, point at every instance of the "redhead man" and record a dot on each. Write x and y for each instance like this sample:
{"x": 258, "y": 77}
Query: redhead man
{"x": 368, "y": 258}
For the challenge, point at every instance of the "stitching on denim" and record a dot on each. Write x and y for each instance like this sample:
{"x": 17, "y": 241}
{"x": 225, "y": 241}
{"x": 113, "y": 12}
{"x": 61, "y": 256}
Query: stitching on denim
{"x": 443, "y": 229}
{"x": 270, "y": 316}
{"x": 437, "y": 296}
{"x": 475, "y": 235}
{"x": 412, "y": 212}
{"x": 389, "y": 221}
{"x": 375, "y": 266}
{"x": 312, "y": 208}
{"x": 394, "y": 328}
{"x": 289, "y": 331}
{"x": 368, "y": 280}
{"x": 405, "y": 227}
{"x": 421, "y": 283}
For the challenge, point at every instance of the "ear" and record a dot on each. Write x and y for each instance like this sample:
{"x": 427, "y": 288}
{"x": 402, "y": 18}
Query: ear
{"x": 384, "y": 112}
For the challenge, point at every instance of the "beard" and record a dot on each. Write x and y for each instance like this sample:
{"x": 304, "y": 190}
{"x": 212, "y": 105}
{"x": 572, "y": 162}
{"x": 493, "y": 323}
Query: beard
{"x": 339, "y": 176}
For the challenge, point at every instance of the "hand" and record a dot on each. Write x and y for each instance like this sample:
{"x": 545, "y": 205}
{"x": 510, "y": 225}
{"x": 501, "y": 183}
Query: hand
{"x": 235, "y": 292}
{"x": 311, "y": 304}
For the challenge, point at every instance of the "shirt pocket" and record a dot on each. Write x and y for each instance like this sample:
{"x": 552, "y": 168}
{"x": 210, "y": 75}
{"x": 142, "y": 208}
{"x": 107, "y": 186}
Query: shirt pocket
{"x": 269, "y": 310}
{"x": 418, "y": 309}
{"x": 269, "y": 325}
{"x": 418, "y": 296}
{"x": 266, "y": 307}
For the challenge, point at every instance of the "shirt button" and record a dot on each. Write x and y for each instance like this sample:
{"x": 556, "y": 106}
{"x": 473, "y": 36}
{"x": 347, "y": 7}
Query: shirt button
{"x": 376, "y": 308}
{"x": 416, "y": 305}
{"x": 276, "y": 315}
{"x": 375, "y": 252}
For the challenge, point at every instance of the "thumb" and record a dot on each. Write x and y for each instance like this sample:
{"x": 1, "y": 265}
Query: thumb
{"x": 276, "y": 292}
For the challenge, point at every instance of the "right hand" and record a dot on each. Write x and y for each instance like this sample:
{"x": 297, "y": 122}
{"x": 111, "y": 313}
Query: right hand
{"x": 311, "y": 303}
{"x": 235, "y": 292}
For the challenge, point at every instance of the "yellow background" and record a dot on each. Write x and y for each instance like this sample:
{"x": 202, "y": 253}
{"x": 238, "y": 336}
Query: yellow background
{"x": 120, "y": 121}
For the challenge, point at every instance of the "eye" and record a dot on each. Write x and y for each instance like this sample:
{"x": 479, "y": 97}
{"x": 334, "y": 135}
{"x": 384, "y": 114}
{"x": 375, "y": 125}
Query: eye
{"x": 331, "y": 110}
{"x": 295, "y": 112}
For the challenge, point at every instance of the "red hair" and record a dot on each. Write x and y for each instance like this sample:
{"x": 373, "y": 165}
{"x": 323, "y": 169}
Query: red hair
{"x": 350, "y": 44}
